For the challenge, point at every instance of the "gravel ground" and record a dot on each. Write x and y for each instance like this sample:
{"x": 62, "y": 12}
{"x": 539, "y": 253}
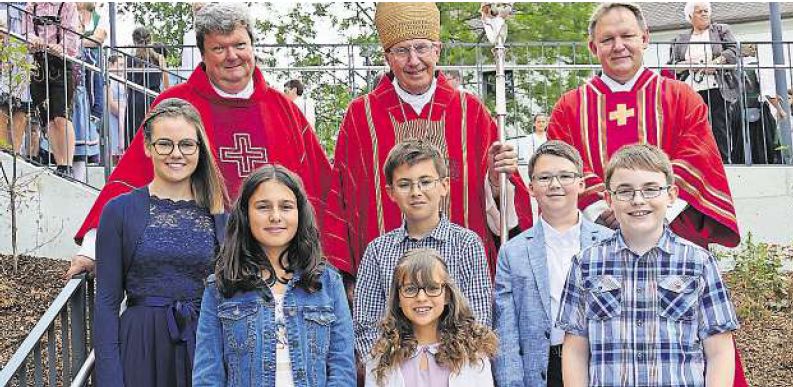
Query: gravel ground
{"x": 24, "y": 297}
{"x": 764, "y": 341}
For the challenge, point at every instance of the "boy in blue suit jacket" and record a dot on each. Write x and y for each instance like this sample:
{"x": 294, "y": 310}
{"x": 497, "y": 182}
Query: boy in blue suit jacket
{"x": 532, "y": 269}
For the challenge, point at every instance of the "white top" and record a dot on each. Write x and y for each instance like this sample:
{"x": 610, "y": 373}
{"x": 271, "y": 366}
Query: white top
{"x": 615, "y": 86}
{"x": 191, "y": 56}
{"x": 527, "y": 145}
{"x": 245, "y": 93}
{"x": 283, "y": 364}
{"x": 306, "y": 105}
{"x": 416, "y": 101}
{"x": 560, "y": 248}
{"x": 477, "y": 375}
{"x": 700, "y": 51}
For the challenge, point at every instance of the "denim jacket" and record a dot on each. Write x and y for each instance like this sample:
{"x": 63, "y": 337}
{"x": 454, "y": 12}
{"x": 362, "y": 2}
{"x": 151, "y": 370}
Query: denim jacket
{"x": 236, "y": 337}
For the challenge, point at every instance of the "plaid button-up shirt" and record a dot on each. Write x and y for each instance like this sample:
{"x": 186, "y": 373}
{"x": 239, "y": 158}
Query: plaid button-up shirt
{"x": 646, "y": 317}
{"x": 460, "y": 248}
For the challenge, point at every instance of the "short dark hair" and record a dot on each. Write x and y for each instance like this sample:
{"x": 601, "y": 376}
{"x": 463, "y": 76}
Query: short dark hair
{"x": 412, "y": 152}
{"x": 559, "y": 149}
{"x": 141, "y": 36}
{"x": 295, "y": 84}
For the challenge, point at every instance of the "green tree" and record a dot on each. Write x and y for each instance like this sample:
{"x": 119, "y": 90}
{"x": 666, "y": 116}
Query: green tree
{"x": 539, "y": 34}
{"x": 167, "y": 23}
{"x": 15, "y": 68}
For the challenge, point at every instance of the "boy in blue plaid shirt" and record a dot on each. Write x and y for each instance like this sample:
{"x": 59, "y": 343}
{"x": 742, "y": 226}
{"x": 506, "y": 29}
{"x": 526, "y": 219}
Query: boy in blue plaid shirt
{"x": 417, "y": 181}
{"x": 645, "y": 307}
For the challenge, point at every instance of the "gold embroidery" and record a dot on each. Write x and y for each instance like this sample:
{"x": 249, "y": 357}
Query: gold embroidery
{"x": 375, "y": 166}
{"x": 621, "y": 115}
{"x": 430, "y": 131}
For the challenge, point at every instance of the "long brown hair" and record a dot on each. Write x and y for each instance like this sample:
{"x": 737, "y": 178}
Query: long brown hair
{"x": 241, "y": 259}
{"x": 208, "y": 187}
{"x": 462, "y": 339}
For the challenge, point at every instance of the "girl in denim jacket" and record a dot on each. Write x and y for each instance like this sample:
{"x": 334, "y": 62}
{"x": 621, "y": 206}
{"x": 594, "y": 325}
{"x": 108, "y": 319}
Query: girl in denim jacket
{"x": 430, "y": 337}
{"x": 274, "y": 313}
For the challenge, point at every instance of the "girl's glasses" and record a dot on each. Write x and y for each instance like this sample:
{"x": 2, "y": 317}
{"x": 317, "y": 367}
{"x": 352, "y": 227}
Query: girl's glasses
{"x": 431, "y": 290}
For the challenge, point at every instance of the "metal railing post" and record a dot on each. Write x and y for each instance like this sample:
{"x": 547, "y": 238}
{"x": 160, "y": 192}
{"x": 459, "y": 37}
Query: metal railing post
{"x": 78, "y": 332}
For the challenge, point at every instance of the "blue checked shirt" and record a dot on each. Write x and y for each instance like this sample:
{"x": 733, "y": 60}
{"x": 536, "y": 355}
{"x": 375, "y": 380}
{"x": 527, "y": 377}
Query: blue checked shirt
{"x": 460, "y": 248}
{"x": 646, "y": 316}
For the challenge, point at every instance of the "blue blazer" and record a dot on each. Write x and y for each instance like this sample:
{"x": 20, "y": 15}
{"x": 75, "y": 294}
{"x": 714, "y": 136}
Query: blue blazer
{"x": 522, "y": 316}
{"x": 122, "y": 224}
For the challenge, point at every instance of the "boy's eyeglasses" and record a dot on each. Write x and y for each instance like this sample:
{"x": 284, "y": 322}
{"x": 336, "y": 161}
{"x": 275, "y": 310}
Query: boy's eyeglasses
{"x": 626, "y": 195}
{"x": 424, "y": 185}
{"x": 565, "y": 178}
{"x": 421, "y": 50}
{"x": 164, "y": 146}
{"x": 412, "y": 291}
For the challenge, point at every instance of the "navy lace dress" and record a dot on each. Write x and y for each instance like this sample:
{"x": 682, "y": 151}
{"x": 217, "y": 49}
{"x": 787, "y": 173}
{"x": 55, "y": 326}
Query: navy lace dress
{"x": 164, "y": 285}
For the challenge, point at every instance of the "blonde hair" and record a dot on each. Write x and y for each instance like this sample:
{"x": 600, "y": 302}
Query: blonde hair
{"x": 642, "y": 157}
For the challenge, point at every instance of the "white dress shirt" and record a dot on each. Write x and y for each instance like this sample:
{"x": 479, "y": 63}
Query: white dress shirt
{"x": 560, "y": 248}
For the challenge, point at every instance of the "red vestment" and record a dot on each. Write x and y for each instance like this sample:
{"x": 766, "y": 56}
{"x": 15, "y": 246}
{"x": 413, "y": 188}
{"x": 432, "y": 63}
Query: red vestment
{"x": 359, "y": 209}
{"x": 243, "y": 133}
{"x": 661, "y": 112}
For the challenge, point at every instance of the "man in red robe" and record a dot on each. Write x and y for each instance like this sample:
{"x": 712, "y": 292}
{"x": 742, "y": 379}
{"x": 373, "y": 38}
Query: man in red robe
{"x": 248, "y": 122}
{"x": 630, "y": 104}
{"x": 414, "y": 101}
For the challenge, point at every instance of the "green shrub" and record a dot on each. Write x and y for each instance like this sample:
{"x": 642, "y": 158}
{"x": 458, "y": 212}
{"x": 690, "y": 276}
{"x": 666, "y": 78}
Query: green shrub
{"x": 756, "y": 283}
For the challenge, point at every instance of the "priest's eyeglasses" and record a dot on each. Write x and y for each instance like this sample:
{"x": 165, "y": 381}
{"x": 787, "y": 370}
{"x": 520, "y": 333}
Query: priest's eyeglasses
{"x": 421, "y": 49}
{"x": 626, "y": 195}
{"x": 405, "y": 186}
{"x": 165, "y": 146}
{"x": 431, "y": 290}
{"x": 565, "y": 178}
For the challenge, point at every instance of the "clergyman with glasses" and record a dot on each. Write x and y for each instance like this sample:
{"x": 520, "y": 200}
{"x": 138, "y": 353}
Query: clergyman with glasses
{"x": 415, "y": 101}
{"x": 417, "y": 182}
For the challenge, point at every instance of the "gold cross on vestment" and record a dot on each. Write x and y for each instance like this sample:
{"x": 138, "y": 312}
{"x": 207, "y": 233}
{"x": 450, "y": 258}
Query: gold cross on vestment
{"x": 621, "y": 115}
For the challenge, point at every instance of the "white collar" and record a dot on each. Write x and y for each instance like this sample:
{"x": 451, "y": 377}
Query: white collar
{"x": 616, "y": 86}
{"x": 245, "y": 93}
{"x": 573, "y": 234}
{"x": 416, "y": 101}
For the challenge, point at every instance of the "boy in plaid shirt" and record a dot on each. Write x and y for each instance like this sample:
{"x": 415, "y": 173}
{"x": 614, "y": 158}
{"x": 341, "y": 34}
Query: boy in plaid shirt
{"x": 645, "y": 307}
{"x": 417, "y": 181}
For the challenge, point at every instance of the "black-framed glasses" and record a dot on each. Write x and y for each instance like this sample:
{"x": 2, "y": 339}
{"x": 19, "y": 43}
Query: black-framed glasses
{"x": 165, "y": 146}
{"x": 421, "y": 49}
{"x": 565, "y": 178}
{"x": 625, "y": 194}
{"x": 431, "y": 290}
{"x": 424, "y": 185}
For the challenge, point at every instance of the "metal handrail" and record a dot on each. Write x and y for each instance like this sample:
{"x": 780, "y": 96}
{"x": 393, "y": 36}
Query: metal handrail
{"x": 85, "y": 370}
{"x": 17, "y": 363}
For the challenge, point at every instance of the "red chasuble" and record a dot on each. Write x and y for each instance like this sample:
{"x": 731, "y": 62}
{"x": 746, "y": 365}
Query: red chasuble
{"x": 661, "y": 112}
{"x": 359, "y": 209}
{"x": 244, "y": 135}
